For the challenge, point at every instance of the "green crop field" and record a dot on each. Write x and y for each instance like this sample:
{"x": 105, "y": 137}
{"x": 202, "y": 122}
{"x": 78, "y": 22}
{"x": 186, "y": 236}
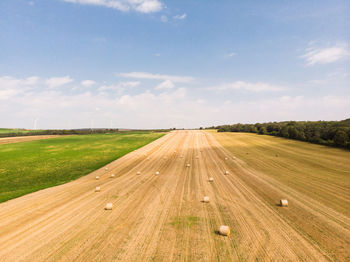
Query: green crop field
{"x": 30, "y": 166}
{"x": 15, "y": 130}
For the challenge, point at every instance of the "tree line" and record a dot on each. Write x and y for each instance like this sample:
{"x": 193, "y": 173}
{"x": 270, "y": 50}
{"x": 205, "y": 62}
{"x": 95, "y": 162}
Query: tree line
{"x": 330, "y": 133}
{"x": 83, "y": 131}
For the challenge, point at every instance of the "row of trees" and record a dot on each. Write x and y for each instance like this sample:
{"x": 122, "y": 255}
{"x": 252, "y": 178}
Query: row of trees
{"x": 331, "y": 133}
{"x": 84, "y": 131}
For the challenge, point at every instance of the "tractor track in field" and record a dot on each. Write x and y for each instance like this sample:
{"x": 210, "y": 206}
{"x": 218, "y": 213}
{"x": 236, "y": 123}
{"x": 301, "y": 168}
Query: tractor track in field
{"x": 162, "y": 218}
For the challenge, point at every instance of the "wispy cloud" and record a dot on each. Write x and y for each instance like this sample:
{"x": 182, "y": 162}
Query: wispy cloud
{"x": 231, "y": 54}
{"x": 338, "y": 77}
{"x": 11, "y": 82}
{"x": 88, "y": 83}
{"x": 99, "y": 40}
{"x": 142, "y": 6}
{"x": 253, "y": 87}
{"x": 119, "y": 86}
{"x": 167, "y": 84}
{"x": 58, "y": 81}
{"x": 145, "y": 75}
{"x": 315, "y": 55}
{"x": 180, "y": 17}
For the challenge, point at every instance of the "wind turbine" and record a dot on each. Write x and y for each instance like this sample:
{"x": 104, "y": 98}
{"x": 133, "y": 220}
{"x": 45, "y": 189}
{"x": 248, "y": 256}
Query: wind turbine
{"x": 35, "y": 123}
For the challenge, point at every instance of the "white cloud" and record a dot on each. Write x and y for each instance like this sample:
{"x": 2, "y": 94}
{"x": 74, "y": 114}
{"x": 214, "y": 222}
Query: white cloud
{"x": 180, "y": 17}
{"x": 26, "y": 99}
{"x": 144, "y": 75}
{"x": 7, "y": 93}
{"x": 164, "y": 18}
{"x": 146, "y": 6}
{"x": 58, "y": 81}
{"x": 11, "y": 82}
{"x": 167, "y": 84}
{"x": 149, "y": 100}
{"x": 119, "y": 87}
{"x": 32, "y": 80}
{"x": 338, "y": 78}
{"x": 88, "y": 83}
{"x": 231, "y": 54}
{"x": 11, "y": 86}
{"x": 156, "y": 54}
{"x": 254, "y": 87}
{"x": 327, "y": 55}
{"x": 142, "y": 6}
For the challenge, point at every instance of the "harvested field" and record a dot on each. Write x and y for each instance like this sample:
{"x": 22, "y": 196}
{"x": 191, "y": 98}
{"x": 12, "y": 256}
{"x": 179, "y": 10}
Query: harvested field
{"x": 162, "y": 218}
{"x": 16, "y": 139}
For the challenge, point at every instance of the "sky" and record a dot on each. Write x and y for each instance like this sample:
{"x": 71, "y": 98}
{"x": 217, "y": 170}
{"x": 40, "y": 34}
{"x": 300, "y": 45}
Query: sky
{"x": 166, "y": 63}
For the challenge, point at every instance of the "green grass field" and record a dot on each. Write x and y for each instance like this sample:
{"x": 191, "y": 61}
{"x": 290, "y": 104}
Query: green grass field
{"x": 15, "y": 130}
{"x": 30, "y": 166}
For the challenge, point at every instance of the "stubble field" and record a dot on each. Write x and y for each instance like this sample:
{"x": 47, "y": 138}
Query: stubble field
{"x": 162, "y": 217}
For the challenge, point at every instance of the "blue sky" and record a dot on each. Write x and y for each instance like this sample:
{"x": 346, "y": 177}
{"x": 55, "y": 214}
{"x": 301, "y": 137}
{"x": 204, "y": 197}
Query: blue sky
{"x": 159, "y": 64}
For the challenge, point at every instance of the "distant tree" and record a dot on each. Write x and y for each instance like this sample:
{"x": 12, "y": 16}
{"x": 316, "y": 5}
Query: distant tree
{"x": 301, "y": 136}
{"x": 276, "y": 127}
{"x": 262, "y": 130}
{"x": 292, "y": 132}
{"x": 340, "y": 138}
{"x": 284, "y": 132}
{"x": 258, "y": 126}
{"x": 253, "y": 129}
{"x": 320, "y": 132}
{"x": 270, "y": 127}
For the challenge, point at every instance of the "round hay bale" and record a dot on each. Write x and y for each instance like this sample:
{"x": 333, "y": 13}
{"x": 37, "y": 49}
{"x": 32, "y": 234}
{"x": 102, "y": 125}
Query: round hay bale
{"x": 226, "y": 158}
{"x": 227, "y": 172}
{"x": 206, "y": 199}
{"x": 224, "y": 230}
{"x": 109, "y": 206}
{"x": 97, "y": 177}
{"x": 106, "y": 168}
{"x": 284, "y": 202}
{"x": 148, "y": 158}
{"x": 188, "y": 165}
{"x": 174, "y": 151}
{"x": 211, "y": 179}
{"x": 98, "y": 189}
{"x": 157, "y": 173}
{"x": 138, "y": 173}
{"x": 197, "y": 157}
{"x": 112, "y": 175}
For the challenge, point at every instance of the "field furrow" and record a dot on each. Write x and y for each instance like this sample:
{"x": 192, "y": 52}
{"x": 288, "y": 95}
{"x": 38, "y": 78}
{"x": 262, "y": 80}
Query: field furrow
{"x": 163, "y": 218}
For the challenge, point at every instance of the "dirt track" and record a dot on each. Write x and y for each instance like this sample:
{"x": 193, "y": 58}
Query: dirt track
{"x": 162, "y": 218}
{"x": 16, "y": 139}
